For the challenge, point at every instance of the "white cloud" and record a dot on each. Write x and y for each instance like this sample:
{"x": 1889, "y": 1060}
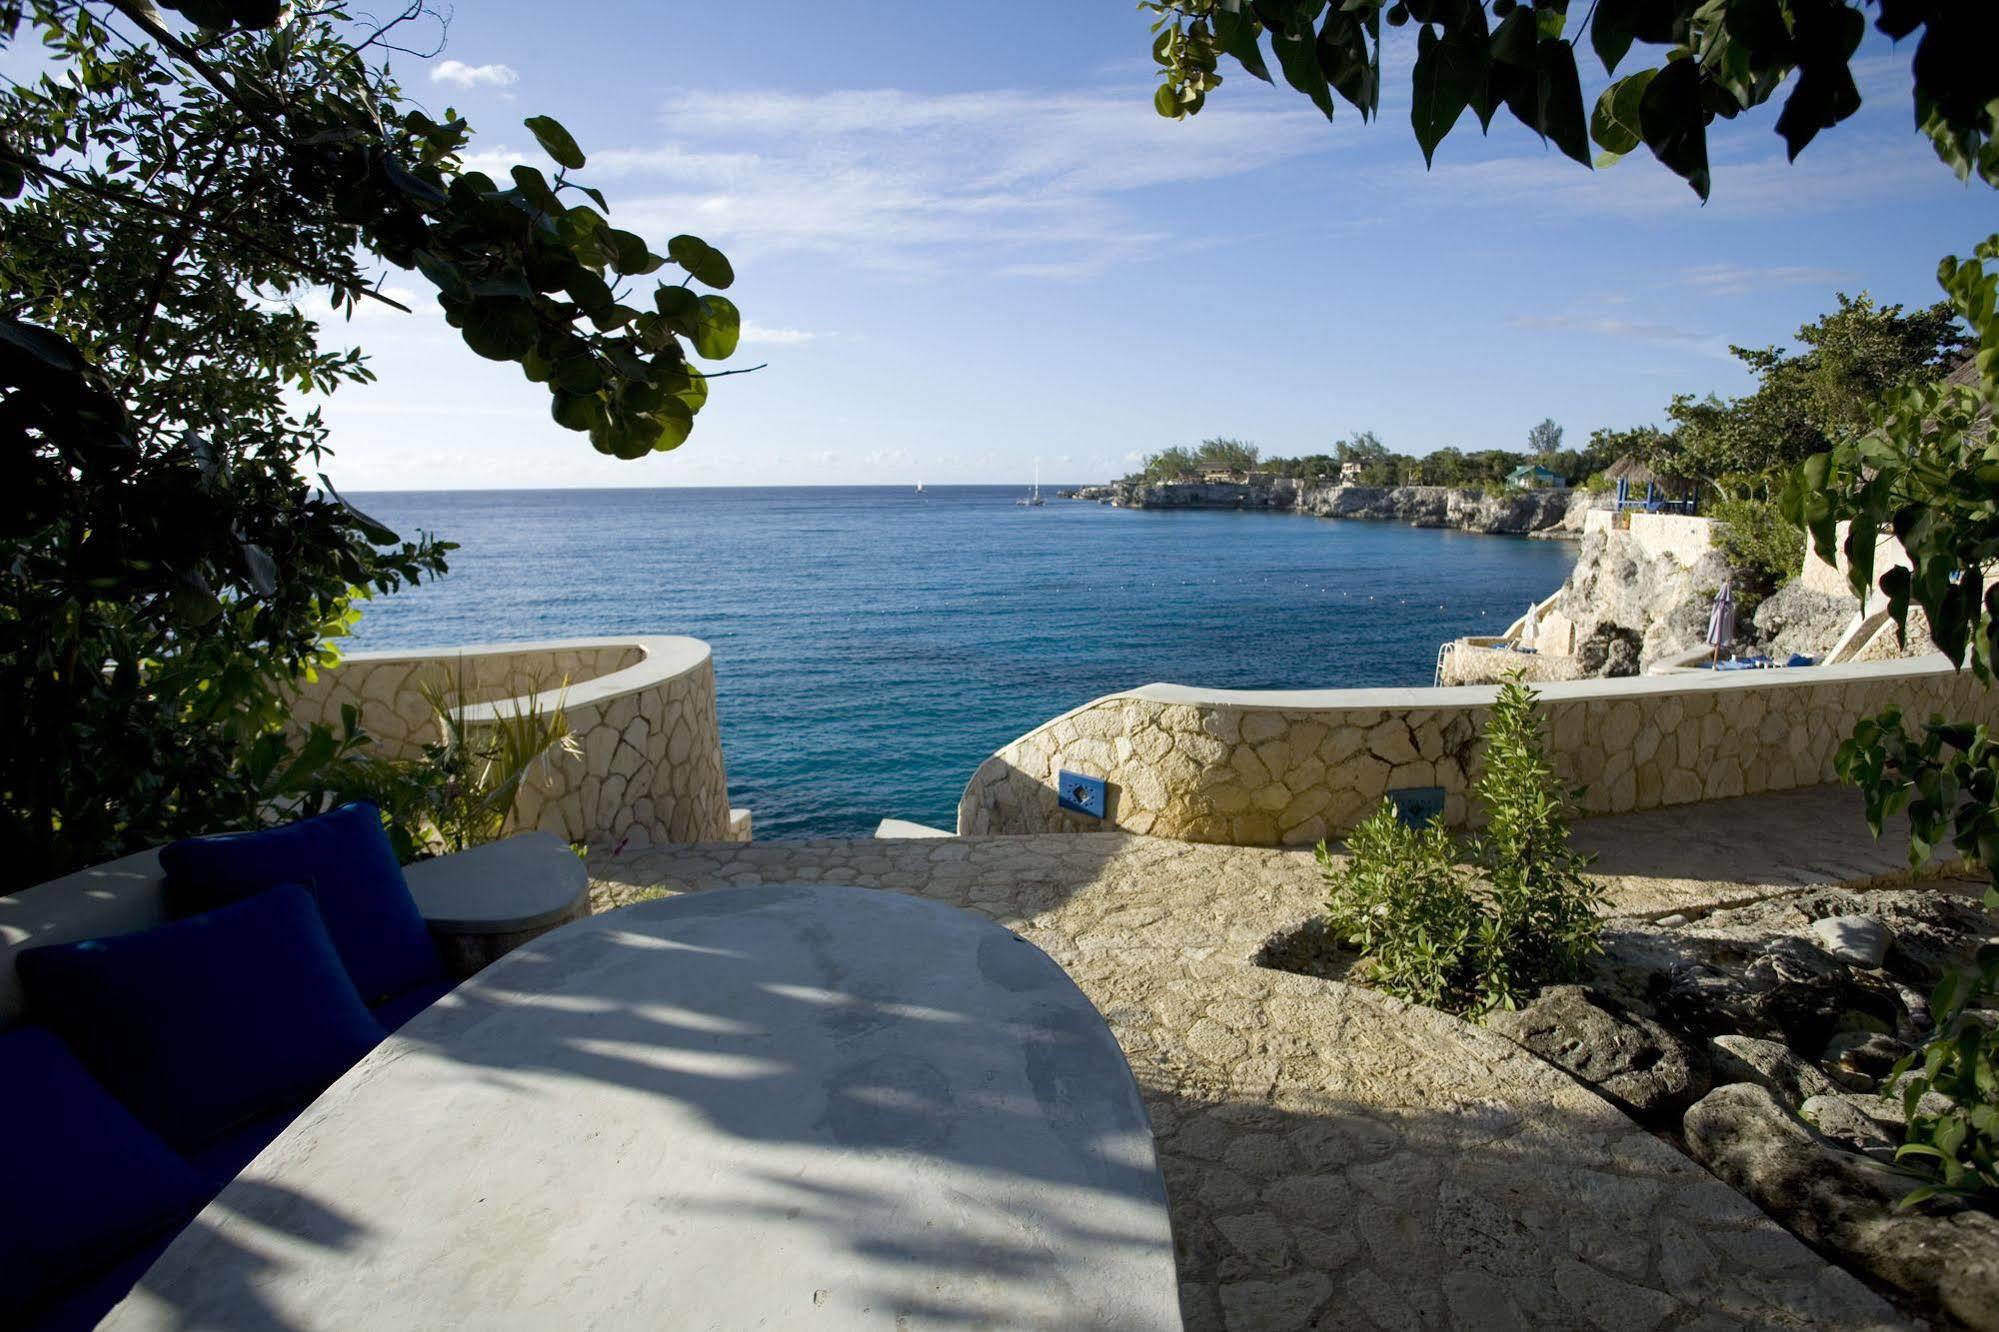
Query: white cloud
{"x": 1632, "y": 329}
{"x": 1031, "y": 184}
{"x": 473, "y": 76}
{"x": 1833, "y": 174}
{"x": 755, "y": 334}
{"x": 1745, "y": 277}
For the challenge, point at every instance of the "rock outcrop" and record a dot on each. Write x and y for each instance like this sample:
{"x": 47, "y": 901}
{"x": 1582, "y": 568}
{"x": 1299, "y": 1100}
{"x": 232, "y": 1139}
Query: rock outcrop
{"x": 1514, "y": 512}
{"x": 1946, "y": 1257}
{"x": 1623, "y": 596}
{"x": 1797, "y": 618}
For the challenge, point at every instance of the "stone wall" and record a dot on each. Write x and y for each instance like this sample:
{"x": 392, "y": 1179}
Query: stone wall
{"x": 1291, "y": 767}
{"x": 641, "y": 711}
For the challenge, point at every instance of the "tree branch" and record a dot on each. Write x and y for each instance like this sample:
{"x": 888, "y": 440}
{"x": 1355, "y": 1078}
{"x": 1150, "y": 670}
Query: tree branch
{"x": 188, "y": 218}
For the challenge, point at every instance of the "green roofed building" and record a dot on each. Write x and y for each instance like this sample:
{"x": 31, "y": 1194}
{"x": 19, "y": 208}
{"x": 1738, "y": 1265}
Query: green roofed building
{"x": 1535, "y": 477}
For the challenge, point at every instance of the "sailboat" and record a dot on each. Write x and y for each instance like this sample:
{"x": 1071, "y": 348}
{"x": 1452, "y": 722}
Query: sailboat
{"x": 919, "y": 487}
{"x": 1033, "y": 499}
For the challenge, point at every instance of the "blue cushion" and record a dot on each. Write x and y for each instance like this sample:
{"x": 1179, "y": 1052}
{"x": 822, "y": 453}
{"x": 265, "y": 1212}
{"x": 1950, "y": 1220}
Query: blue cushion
{"x": 395, "y": 1012}
{"x": 200, "y": 1024}
{"x": 85, "y": 1182}
{"x": 344, "y": 856}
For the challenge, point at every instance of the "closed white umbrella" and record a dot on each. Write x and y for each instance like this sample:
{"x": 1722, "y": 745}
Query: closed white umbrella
{"x": 1721, "y": 620}
{"x": 1530, "y": 627}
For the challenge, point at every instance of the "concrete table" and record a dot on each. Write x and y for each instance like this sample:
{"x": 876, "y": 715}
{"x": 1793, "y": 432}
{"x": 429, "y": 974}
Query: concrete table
{"x": 483, "y": 903}
{"x": 759, "y": 1107}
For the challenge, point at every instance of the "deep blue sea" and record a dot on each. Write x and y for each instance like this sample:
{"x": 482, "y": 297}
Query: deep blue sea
{"x": 873, "y": 646}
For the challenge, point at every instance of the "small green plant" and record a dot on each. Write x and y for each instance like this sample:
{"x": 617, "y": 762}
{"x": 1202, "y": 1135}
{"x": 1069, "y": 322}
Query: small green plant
{"x": 1472, "y": 928}
{"x": 1403, "y": 900}
{"x": 1956, "y": 1148}
{"x": 461, "y": 792}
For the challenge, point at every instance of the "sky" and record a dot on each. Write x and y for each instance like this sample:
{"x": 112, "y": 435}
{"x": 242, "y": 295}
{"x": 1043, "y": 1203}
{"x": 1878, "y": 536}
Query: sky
{"x": 965, "y": 244}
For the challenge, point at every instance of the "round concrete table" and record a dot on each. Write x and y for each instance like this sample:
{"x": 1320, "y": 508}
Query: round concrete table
{"x": 761, "y": 1107}
{"x": 484, "y": 902}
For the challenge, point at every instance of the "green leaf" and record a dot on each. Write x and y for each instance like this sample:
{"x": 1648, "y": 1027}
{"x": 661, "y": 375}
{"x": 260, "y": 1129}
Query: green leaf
{"x": 1513, "y": 41}
{"x": 703, "y": 260}
{"x": 680, "y": 307}
{"x": 719, "y": 328}
{"x": 1610, "y": 32}
{"x": 1561, "y": 108}
{"x": 1674, "y": 123}
{"x": 555, "y": 141}
{"x": 1615, "y": 125}
{"x": 1299, "y": 59}
{"x": 534, "y": 188}
{"x": 1448, "y": 71}
{"x": 500, "y": 330}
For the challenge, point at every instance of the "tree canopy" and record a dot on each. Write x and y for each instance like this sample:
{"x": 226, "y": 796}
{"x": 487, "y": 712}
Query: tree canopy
{"x": 1700, "y": 60}
{"x": 174, "y": 199}
{"x": 1807, "y": 401}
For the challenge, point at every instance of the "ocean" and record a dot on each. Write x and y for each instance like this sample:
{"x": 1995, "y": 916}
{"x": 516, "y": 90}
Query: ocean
{"x": 873, "y": 645}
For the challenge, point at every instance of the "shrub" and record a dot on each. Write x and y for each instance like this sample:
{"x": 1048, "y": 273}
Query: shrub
{"x": 1958, "y": 1147}
{"x": 1543, "y": 907}
{"x": 1470, "y": 938}
{"x": 1402, "y": 899}
{"x": 1759, "y": 543}
{"x": 462, "y": 790}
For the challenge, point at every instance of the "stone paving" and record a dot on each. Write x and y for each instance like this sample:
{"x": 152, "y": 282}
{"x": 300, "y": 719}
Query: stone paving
{"x": 1337, "y": 1159}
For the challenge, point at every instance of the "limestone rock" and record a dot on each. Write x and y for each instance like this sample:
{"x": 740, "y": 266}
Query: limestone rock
{"x": 1796, "y": 618}
{"x": 1844, "y": 1119}
{"x": 1861, "y": 941}
{"x": 1946, "y": 1257}
{"x": 1767, "y": 1064}
{"x": 1629, "y": 1058}
{"x": 1864, "y": 1054}
{"x": 1619, "y": 593}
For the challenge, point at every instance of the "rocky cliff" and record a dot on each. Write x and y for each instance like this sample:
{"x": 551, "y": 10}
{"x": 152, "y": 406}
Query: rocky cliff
{"x": 1633, "y": 607}
{"x": 1520, "y": 512}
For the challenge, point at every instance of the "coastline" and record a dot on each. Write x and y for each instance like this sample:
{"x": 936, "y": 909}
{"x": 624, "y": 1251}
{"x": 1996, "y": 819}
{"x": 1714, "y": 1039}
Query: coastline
{"x": 1537, "y": 513}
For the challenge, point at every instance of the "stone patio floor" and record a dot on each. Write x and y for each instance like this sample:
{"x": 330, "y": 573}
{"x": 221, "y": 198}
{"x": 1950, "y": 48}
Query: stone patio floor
{"x": 1337, "y": 1159}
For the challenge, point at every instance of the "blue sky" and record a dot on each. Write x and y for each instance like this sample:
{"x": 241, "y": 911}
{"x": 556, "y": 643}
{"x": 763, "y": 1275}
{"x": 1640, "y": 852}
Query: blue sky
{"x": 964, "y": 241}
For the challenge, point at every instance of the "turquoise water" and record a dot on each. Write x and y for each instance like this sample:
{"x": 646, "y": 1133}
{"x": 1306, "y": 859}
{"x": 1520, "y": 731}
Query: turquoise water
{"x": 873, "y": 646}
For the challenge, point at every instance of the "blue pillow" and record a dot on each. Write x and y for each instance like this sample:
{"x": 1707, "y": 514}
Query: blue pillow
{"x": 344, "y": 856}
{"x": 200, "y": 1024}
{"x": 86, "y": 1182}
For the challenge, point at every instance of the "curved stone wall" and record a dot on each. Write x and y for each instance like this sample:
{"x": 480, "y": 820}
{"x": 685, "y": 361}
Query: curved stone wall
{"x": 1291, "y": 767}
{"x": 642, "y": 711}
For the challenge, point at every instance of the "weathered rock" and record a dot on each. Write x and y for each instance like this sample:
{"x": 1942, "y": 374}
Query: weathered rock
{"x": 1768, "y": 1064}
{"x": 1843, "y": 1119}
{"x": 1629, "y": 1058}
{"x": 1861, "y": 941}
{"x": 1624, "y": 592}
{"x": 1515, "y": 511}
{"x": 1946, "y": 1258}
{"x": 1796, "y": 618}
{"x": 1868, "y": 1054}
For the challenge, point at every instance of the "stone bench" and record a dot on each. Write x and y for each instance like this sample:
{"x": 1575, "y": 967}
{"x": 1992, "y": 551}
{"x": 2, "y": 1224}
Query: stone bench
{"x": 478, "y": 904}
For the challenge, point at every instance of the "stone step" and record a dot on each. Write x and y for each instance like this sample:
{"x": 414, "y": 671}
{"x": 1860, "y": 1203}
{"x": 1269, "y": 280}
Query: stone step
{"x": 903, "y": 828}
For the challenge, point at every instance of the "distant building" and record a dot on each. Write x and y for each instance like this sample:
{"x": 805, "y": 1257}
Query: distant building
{"x": 1535, "y": 477}
{"x": 1350, "y": 473}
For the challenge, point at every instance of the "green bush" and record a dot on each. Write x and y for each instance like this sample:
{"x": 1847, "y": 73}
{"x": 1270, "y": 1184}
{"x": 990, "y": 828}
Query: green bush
{"x": 1759, "y": 543}
{"x": 1472, "y": 928}
{"x": 1958, "y": 1147}
{"x": 1402, "y": 899}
